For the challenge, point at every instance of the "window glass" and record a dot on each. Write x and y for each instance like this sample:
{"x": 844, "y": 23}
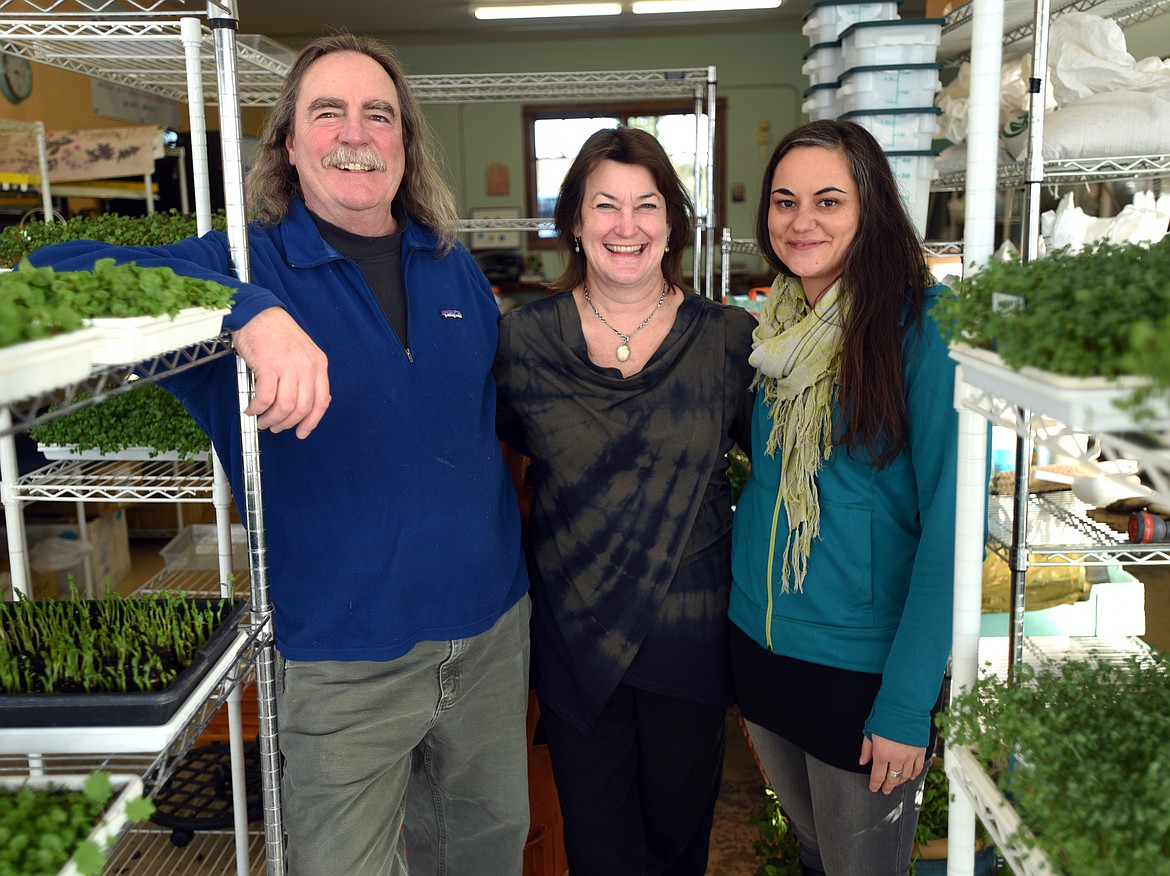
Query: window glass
{"x": 554, "y": 133}
{"x": 676, "y": 133}
{"x": 557, "y": 141}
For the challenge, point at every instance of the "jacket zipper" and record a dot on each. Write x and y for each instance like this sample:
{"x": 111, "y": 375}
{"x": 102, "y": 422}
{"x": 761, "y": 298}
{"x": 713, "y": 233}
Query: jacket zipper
{"x": 771, "y": 563}
{"x": 405, "y": 346}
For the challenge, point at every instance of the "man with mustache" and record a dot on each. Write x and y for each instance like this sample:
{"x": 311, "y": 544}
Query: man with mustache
{"x": 399, "y": 587}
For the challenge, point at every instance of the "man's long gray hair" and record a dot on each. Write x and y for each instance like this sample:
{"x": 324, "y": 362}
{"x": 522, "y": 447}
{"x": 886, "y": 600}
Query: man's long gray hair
{"x": 423, "y": 194}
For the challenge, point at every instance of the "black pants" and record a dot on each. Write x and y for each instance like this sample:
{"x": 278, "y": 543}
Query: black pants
{"x": 638, "y": 793}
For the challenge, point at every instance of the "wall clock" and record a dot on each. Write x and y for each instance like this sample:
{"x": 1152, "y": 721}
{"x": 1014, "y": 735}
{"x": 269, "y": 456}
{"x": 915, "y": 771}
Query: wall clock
{"x": 15, "y": 77}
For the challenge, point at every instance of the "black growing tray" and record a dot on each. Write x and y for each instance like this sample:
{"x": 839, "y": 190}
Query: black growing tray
{"x": 198, "y": 794}
{"x": 116, "y": 709}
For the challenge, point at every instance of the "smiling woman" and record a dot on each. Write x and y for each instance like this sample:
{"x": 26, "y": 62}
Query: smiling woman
{"x": 627, "y": 390}
{"x": 842, "y": 551}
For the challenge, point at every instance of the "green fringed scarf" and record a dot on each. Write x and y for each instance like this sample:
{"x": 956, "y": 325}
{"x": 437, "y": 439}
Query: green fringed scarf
{"x": 796, "y": 351}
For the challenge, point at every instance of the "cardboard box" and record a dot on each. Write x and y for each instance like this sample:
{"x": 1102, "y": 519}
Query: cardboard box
{"x": 942, "y": 8}
{"x": 110, "y": 558}
{"x": 151, "y": 519}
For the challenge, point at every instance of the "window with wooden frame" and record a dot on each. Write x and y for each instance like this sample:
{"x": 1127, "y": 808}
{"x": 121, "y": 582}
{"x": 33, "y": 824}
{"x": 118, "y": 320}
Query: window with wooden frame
{"x": 553, "y": 135}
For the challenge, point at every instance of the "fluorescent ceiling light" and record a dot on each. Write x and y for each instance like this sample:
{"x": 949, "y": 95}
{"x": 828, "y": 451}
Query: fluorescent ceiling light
{"x": 559, "y": 10}
{"x": 651, "y": 7}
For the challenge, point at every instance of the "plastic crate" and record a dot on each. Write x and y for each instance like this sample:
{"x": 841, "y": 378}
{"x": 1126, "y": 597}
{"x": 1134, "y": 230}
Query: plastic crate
{"x": 889, "y": 43}
{"x": 913, "y": 171}
{"x": 822, "y": 101}
{"x": 823, "y": 63}
{"x": 903, "y": 87}
{"x": 197, "y": 547}
{"x": 828, "y": 18}
{"x": 898, "y": 130}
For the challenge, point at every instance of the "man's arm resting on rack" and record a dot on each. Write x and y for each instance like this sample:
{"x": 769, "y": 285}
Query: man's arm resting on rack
{"x": 292, "y": 380}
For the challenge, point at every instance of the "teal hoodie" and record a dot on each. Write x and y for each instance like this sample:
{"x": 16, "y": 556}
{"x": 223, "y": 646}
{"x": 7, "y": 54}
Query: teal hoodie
{"x": 877, "y": 597}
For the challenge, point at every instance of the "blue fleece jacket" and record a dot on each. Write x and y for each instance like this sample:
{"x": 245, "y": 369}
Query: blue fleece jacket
{"x": 395, "y": 521}
{"x": 877, "y": 597}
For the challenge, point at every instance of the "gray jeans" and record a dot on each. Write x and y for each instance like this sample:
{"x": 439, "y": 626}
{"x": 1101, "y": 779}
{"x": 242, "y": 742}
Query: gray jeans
{"x": 422, "y": 759}
{"x": 844, "y": 828}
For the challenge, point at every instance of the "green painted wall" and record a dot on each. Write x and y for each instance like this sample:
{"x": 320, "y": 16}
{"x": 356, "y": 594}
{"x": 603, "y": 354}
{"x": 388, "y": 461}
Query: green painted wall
{"x": 758, "y": 77}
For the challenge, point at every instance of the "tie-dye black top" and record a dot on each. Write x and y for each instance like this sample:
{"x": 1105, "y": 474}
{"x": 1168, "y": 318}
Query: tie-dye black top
{"x": 630, "y": 551}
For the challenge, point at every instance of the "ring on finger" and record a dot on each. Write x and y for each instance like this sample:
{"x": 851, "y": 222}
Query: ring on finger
{"x": 895, "y": 774}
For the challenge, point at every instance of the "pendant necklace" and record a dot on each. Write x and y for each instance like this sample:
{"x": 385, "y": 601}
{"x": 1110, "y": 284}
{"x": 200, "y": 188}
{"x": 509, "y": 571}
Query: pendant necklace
{"x": 623, "y": 350}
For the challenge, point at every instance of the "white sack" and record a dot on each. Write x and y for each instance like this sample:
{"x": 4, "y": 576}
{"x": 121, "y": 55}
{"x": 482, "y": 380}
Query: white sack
{"x": 953, "y": 159}
{"x": 1066, "y": 226}
{"x": 1087, "y": 55}
{"x": 1133, "y": 225}
{"x": 1103, "y": 126}
{"x": 952, "y": 100}
{"x": 1069, "y": 226}
{"x": 1014, "y": 98}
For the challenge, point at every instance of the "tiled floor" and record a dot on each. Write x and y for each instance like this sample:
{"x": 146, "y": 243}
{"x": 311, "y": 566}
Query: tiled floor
{"x": 743, "y": 789}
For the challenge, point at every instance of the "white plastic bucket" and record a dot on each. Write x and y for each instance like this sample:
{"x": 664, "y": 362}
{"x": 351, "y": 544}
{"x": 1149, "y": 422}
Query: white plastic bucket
{"x": 890, "y": 43}
{"x": 823, "y": 63}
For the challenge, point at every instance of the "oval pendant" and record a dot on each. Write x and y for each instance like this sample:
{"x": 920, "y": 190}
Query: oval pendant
{"x": 623, "y": 353}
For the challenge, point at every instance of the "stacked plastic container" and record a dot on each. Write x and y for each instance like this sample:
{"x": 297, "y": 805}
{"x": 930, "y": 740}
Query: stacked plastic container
{"x": 866, "y": 65}
{"x": 824, "y": 62}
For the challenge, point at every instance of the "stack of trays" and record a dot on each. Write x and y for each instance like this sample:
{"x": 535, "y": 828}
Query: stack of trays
{"x": 828, "y": 19}
{"x": 823, "y": 62}
{"x": 886, "y": 78}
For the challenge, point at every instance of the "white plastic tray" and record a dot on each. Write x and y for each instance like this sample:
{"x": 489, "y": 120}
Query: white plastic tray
{"x": 197, "y": 547}
{"x": 999, "y": 818}
{"x": 36, "y": 366}
{"x": 1087, "y": 403}
{"x": 132, "y": 454}
{"x": 113, "y": 820}
{"x": 131, "y": 339}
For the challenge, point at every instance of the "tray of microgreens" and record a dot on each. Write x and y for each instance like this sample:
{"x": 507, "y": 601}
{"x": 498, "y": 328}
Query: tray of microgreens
{"x": 153, "y": 229}
{"x": 148, "y": 423}
{"x": 65, "y": 825}
{"x": 116, "y": 661}
{"x": 1078, "y": 749}
{"x": 129, "y": 313}
{"x": 1077, "y": 335}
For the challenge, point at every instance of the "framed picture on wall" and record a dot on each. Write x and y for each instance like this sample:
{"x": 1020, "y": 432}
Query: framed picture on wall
{"x": 494, "y": 239}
